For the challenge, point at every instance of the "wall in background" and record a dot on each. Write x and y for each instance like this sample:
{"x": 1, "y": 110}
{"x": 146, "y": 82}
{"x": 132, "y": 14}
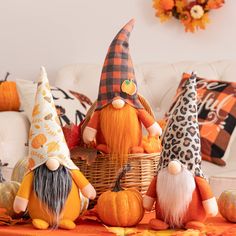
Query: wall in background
{"x": 58, "y": 32}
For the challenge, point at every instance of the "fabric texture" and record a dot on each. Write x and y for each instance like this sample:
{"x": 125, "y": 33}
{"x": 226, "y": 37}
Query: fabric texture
{"x": 181, "y": 139}
{"x": 118, "y": 78}
{"x": 216, "y": 116}
{"x": 46, "y": 139}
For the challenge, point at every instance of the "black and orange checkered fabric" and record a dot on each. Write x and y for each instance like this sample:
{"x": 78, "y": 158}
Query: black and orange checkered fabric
{"x": 117, "y": 68}
{"x": 216, "y": 116}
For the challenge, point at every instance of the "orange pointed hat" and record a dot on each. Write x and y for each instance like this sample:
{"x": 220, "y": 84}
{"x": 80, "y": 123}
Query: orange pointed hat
{"x": 46, "y": 139}
{"x": 118, "y": 77}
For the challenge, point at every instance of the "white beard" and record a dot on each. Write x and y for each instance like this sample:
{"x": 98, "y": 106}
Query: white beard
{"x": 174, "y": 194}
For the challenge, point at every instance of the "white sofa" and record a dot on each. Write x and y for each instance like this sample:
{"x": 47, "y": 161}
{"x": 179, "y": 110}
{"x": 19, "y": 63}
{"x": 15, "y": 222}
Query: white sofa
{"x": 157, "y": 82}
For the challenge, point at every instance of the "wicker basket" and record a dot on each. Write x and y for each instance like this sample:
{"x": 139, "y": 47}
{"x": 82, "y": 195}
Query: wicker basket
{"x": 103, "y": 171}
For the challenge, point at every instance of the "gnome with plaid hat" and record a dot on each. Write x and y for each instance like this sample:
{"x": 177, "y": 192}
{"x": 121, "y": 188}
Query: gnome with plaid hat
{"x": 115, "y": 126}
{"x": 182, "y": 195}
{"x": 54, "y": 189}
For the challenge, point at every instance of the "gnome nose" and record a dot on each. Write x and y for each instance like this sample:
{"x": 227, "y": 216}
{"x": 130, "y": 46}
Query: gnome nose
{"x": 118, "y": 103}
{"x": 52, "y": 164}
{"x": 174, "y": 167}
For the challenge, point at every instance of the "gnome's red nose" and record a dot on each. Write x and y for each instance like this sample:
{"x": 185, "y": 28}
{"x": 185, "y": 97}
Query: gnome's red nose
{"x": 174, "y": 167}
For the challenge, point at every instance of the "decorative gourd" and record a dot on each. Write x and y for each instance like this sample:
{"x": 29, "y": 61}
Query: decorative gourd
{"x": 8, "y": 190}
{"x": 9, "y": 98}
{"x": 38, "y": 141}
{"x": 120, "y": 207}
{"x": 19, "y": 170}
{"x": 227, "y": 205}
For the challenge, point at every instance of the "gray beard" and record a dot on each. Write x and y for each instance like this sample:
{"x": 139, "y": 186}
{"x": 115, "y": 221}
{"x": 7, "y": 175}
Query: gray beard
{"x": 174, "y": 194}
{"x": 52, "y": 189}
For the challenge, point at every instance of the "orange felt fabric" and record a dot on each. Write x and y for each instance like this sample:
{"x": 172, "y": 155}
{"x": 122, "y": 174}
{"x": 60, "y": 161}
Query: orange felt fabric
{"x": 215, "y": 226}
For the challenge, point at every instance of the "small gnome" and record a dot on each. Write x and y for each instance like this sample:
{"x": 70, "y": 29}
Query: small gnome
{"x": 51, "y": 188}
{"x": 115, "y": 126}
{"x": 182, "y": 195}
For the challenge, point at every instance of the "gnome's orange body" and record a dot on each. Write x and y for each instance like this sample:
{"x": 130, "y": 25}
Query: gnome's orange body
{"x": 116, "y": 125}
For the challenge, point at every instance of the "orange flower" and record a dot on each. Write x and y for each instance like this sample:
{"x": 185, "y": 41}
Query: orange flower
{"x": 185, "y": 18}
{"x": 160, "y": 12}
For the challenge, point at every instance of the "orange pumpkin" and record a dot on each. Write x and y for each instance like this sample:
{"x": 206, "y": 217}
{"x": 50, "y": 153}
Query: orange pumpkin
{"x": 227, "y": 205}
{"x": 167, "y": 5}
{"x": 129, "y": 87}
{"x": 9, "y": 98}
{"x": 38, "y": 141}
{"x": 120, "y": 207}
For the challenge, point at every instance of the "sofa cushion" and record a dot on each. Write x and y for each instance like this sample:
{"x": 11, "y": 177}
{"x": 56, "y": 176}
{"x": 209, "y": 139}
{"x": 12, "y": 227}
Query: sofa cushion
{"x": 14, "y": 128}
{"x": 216, "y": 116}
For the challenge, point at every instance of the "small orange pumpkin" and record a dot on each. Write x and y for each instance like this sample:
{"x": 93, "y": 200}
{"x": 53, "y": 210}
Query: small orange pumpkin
{"x": 9, "y": 98}
{"x": 227, "y": 205}
{"x": 129, "y": 87}
{"x": 120, "y": 207}
{"x": 167, "y": 5}
{"x": 38, "y": 141}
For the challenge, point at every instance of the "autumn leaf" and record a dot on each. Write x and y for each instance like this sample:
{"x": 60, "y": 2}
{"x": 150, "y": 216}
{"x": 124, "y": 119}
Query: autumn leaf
{"x": 214, "y": 4}
{"x": 36, "y": 110}
{"x": 52, "y": 147}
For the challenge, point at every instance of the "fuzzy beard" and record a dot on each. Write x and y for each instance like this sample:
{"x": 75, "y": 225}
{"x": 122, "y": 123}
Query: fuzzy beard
{"x": 174, "y": 195}
{"x": 52, "y": 189}
{"x": 121, "y": 130}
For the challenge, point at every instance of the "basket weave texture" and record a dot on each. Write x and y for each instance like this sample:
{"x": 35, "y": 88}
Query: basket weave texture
{"x": 103, "y": 171}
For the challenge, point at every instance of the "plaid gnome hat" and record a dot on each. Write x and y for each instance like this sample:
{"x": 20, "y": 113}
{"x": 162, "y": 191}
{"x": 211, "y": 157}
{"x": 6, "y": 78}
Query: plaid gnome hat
{"x": 118, "y": 78}
{"x": 46, "y": 139}
{"x": 181, "y": 139}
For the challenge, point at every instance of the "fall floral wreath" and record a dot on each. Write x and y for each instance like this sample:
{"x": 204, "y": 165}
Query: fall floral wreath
{"x": 192, "y": 14}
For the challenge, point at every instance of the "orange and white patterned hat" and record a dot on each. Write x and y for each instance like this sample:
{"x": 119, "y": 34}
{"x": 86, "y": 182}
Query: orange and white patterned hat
{"x": 46, "y": 138}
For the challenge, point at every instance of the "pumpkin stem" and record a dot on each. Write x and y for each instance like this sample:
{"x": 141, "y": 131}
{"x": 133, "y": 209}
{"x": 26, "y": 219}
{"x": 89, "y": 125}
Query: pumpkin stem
{"x": 7, "y": 74}
{"x": 117, "y": 186}
{"x": 1, "y": 166}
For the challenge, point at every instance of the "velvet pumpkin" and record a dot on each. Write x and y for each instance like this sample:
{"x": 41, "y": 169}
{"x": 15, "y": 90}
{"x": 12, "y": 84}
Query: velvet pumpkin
{"x": 120, "y": 207}
{"x": 19, "y": 170}
{"x": 8, "y": 190}
{"x": 9, "y": 98}
{"x": 227, "y": 205}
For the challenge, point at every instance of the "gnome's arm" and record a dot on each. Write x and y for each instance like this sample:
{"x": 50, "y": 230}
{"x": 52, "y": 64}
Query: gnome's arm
{"x": 90, "y": 130}
{"x": 208, "y": 200}
{"x": 23, "y": 194}
{"x": 83, "y": 184}
{"x": 149, "y": 122}
{"x": 151, "y": 195}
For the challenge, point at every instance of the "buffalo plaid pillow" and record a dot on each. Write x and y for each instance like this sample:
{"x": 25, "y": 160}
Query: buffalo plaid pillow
{"x": 216, "y": 115}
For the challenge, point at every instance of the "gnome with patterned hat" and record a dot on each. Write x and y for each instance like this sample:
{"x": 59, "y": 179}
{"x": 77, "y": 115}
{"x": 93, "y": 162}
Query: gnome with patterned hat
{"x": 53, "y": 189}
{"x": 115, "y": 126}
{"x": 182, "y": 195}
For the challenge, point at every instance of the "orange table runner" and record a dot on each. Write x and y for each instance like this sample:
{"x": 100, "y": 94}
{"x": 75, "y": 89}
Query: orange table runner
{"x": 215, "y": 226}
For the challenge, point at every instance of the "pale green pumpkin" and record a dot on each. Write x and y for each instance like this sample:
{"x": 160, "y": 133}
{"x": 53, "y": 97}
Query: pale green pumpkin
{"x": 227, "y": 205}
{"x": 19, "y": 170}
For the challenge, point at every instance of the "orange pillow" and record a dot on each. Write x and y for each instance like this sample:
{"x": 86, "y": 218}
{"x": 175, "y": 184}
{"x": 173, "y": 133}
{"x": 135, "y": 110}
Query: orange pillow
{"x": 216, "y": 116}
{"x": 9, "y": 98}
